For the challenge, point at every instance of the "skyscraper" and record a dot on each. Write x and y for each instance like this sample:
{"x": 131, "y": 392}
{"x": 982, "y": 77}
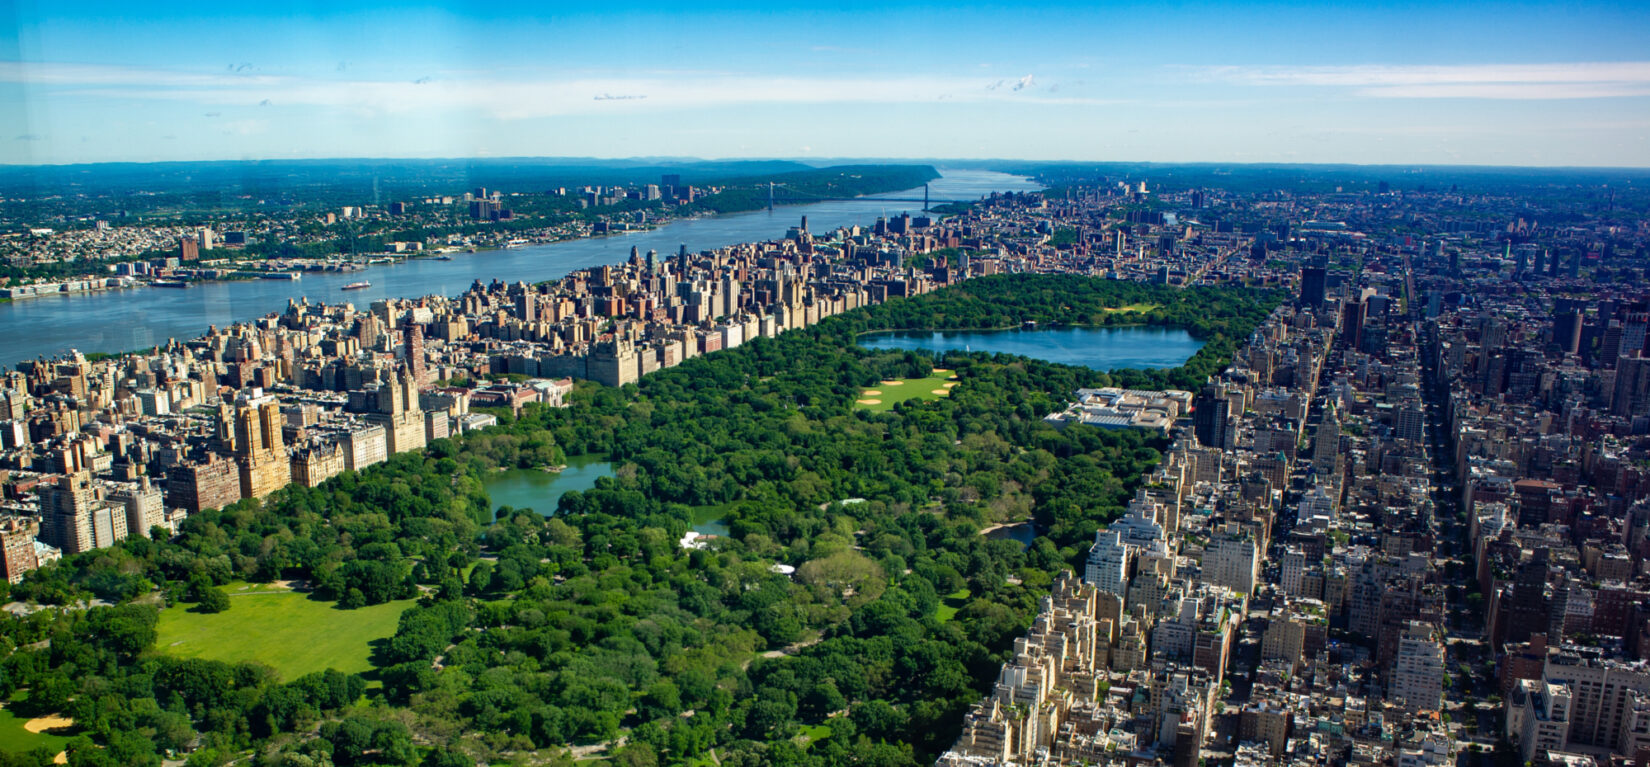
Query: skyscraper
{"x": 1353, "y": 314}
{"x": 1314, "y": 282}
{"x": 1209, "y": 417}
{"x": 1632, "y": 390}
{"x": 415, "y": 354}
{"x": 259, "y": 448}
{"x": 398, "y": 411}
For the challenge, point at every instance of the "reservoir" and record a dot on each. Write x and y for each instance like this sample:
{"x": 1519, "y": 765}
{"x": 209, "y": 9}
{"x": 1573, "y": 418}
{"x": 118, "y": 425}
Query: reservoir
{"x": 1100, "y": 348}
{"x": 125, "y": 320}
{"x": 540, "y": 490}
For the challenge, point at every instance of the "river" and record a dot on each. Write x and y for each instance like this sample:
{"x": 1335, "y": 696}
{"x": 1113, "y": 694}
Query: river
{"x": 124, "y": 320}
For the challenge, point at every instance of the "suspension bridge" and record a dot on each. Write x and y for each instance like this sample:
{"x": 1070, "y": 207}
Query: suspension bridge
{"x": 779, "y": 194}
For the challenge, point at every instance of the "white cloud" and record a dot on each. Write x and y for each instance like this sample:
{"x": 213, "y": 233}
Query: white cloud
{"x": 517, "y": 98}
{"x": 52, "y": 73}
{"x": 1572, "y": 80}
{"x": 1526, "y": 91}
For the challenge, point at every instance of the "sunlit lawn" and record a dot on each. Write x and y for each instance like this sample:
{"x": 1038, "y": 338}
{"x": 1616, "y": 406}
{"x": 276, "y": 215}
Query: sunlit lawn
{"x": 951, "y": 603}
{"x": 286, "y": 630}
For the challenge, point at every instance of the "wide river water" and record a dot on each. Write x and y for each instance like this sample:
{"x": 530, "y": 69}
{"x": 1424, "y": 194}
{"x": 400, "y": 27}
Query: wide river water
{"x": 124, "y": 320}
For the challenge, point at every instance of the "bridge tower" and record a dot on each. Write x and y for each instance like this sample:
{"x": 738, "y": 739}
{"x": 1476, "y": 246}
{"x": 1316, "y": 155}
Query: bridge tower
{"x": 770, "y": 196}
{"x": 925, "y": 196}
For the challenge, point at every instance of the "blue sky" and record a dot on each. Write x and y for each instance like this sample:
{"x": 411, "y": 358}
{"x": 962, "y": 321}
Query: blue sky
{"x": 1404, "y": 83}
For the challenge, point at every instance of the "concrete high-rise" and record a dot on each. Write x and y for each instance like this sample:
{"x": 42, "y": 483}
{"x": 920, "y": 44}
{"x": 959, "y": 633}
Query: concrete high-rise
{"x": 143, "y": 506}
{"x": 1417, "y": 680}
{"x": 75, "y": 519}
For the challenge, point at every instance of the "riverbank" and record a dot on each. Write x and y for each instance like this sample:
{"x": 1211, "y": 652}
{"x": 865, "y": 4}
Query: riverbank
{"x": 141, "y": 319}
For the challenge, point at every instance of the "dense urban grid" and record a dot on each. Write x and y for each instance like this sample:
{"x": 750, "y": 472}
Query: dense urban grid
{"x": 1394, "y": 513}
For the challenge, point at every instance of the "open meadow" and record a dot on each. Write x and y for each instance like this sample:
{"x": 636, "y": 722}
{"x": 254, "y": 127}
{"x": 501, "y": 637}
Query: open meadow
{"x": 286, "y": 630}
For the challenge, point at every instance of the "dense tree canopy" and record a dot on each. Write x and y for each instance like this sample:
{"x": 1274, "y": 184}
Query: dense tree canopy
{"x": 535, "y": 632}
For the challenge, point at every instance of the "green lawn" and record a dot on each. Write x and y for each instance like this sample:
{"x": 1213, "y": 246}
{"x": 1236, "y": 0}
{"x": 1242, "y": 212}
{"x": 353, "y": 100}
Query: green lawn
{"x": 1131, "y": 308}
{"x": 15, "y": 739}
{"x": 951, "y": 603}
{"x": 809, "y": 734}
{"x": 887, "y": 394}
{"x": 285, "y": 630}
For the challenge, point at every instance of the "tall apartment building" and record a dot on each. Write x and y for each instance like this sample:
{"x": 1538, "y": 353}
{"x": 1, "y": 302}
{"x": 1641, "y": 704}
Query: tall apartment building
{"x": 1297, "y": 630}
{"x": 365, "y": 446}
{"x": 613, "y": 362}
{"x": 1108, "y": 568}
{"x": 1211, "y": 417}
{"x": 397, "y": 410}
{"x": 1607, "y": 695}
{"x": 17, "y": 548}
{"x": 259, "y": 448}
{"x": 211, "y": 484}
{"x": 1417, "y": 680}
{"x": 143, "y": 504}
{"x": 1538, "y": 717}
{"x": 75, "y": 519}
{"x": 1232, "y": 560}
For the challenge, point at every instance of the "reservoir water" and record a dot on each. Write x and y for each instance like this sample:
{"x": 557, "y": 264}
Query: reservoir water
{"x": 139, "y": 318}
{"x": 541, "y": 490}
{"x": 1106, "y": 348}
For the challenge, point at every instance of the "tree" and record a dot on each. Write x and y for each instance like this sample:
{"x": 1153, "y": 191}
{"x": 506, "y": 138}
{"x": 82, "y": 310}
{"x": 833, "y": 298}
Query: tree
{"x": 637, "y": 755}
{"x": 212, "y": 600}
{"x": 660, "y": 700}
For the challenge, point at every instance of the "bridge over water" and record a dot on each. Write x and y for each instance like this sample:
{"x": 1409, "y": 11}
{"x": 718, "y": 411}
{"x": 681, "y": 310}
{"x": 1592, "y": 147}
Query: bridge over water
{"x": 790, "y": 196}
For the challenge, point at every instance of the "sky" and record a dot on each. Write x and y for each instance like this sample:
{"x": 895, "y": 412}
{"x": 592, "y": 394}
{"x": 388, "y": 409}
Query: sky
{"x": 1484, "y": 83}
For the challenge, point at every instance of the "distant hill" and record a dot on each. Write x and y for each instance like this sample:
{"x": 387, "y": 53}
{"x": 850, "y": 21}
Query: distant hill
{"x": 1256, "y": 177}
{"x": 356, "y": 177}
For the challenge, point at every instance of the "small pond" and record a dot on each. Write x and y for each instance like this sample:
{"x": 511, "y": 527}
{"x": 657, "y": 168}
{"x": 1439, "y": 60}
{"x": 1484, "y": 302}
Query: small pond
{"x": 540, "y": 490}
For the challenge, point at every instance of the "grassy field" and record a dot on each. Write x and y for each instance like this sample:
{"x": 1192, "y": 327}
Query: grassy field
{"x": 809, "y": 734}
{"x": 951, "y": 603}
{"x": 285, "y": 630}
{"x": 1131, "y": 308}
{"x": 890, "y": 393}
{"x": 15, "y": 739}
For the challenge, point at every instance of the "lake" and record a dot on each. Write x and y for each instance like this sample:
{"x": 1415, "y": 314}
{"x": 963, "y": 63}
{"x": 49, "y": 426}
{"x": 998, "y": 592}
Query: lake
{"x": 541, "y": 490}
{"x": 1098, "y": 348}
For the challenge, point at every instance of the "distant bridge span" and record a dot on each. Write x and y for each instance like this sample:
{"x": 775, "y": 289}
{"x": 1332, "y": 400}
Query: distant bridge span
{"x": 797, "y": 196}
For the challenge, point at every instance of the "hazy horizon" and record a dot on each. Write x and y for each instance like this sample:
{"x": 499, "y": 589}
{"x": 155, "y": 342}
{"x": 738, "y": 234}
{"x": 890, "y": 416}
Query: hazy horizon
{"x": 960, "y": 163}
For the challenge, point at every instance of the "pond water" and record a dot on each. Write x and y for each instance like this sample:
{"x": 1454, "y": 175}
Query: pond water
{"x": 1024, "y": 532}
{"x": 541, "y": 490}
{"x": 710, "y": 520}
{"x": 1100, "y": 348}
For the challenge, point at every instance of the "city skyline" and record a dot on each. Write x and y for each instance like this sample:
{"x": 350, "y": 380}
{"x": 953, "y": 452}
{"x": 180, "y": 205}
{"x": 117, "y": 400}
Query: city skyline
{"x": 1395, "y": 83}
